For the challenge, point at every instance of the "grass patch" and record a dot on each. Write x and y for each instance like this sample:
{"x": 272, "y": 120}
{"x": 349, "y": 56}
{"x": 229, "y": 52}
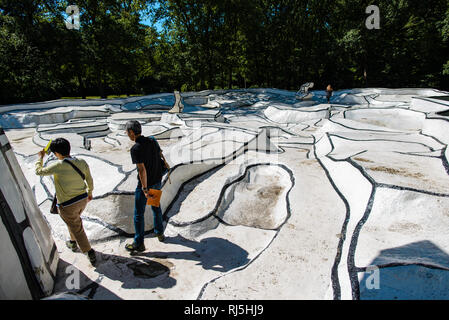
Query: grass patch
{"x": 114, "y": 96}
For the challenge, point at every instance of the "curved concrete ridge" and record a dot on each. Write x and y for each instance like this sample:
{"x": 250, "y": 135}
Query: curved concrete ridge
{"x": 429, "y": 105}
{"x": 26, "y": 119}
{"x": 341, "y": 124}
{"x": 376, "y": 96}
{"x": 292, "y": 116}
{"x": 398, "y": 119}
{"x": 265, "y": 189}
{"x": 81, "y": 102}
{"x": 117, "y": 121}
{"x": 30, "y": 262}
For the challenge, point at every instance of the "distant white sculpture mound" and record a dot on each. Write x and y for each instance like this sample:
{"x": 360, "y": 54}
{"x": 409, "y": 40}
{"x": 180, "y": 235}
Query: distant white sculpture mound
{"x": 351, "y": 198}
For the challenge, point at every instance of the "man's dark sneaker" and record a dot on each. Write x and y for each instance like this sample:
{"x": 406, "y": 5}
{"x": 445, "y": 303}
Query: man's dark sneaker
{"x": 71, "y": 245}
{"x": 161, "y": 237}
{"x": 133, "y": 247}
{"x": 92, "y": 256}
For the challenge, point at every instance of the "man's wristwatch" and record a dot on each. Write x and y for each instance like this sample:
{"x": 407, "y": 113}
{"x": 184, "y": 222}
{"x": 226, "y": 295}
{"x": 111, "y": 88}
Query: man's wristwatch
{"x": 144, "y": 189}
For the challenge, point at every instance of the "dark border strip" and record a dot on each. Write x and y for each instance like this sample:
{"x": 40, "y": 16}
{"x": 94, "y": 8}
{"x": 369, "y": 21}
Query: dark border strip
{"x": 390, "y": 186}
{"x": 404, "y": 264}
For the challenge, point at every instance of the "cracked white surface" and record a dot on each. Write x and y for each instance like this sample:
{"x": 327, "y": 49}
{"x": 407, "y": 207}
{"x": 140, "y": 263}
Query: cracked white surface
{"x": 362, "y": 181}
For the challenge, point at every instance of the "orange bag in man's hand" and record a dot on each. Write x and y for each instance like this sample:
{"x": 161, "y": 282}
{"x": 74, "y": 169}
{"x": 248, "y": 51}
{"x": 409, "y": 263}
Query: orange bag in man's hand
{"x": 154, "y": 197}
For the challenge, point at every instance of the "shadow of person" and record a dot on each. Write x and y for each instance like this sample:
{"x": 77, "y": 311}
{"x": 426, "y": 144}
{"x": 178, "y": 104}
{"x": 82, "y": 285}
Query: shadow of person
{"x": 211, "y": 253}
{"x": 72, "y": 284}
{"x": 417, "y": 271}
{"x": 133, "y": 273}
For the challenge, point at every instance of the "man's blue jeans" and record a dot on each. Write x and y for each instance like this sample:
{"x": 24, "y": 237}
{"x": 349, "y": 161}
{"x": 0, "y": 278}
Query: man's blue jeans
{"x": 140, "y": 203}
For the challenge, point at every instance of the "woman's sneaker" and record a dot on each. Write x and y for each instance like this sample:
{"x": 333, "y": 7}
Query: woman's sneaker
{"x": 72, "y": 245}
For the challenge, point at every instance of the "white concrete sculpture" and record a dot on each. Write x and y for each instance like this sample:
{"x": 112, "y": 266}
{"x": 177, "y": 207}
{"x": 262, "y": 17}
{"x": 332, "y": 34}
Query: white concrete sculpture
{"x": 29, "y": 256}
{"x": 352, "y": 201}
{"x": 178, "y": 107}
{"x": 303, "y": 92}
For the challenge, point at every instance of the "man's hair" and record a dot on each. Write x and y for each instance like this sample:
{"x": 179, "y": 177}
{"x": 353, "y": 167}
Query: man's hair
{"x": 135, "y": 126}
{"x": 61, "y": 146}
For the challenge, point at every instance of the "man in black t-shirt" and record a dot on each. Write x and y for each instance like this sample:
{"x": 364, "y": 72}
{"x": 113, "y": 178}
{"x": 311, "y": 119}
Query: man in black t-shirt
{"x": 146, "y": 154}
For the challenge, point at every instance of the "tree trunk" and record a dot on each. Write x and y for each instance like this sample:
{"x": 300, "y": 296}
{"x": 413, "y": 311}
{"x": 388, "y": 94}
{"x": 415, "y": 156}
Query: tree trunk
{"x": 101, "y": 88}
{"x": 82, "y": 87}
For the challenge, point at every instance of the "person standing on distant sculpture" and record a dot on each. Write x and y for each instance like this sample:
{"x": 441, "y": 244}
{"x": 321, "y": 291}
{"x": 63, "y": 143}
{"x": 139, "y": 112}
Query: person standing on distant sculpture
{"x": 329, "y": 92}
{"x": 73, "y": 191}
{"x": 146, "y": 154}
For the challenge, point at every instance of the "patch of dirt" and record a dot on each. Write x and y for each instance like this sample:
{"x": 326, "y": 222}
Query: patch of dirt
{"x": 405, "y": 227}
{"x": 258, "y": 212}
{"x": 401, "y": 172}
{"x": 363, "y": 160}
{"x": 270, "y": 192}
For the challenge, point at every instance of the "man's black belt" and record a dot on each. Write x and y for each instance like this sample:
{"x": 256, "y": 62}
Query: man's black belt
{"x": 73, "y": 200}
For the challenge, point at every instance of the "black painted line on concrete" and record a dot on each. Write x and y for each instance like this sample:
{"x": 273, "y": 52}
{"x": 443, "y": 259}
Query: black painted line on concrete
{"x": 44, "y": 186}
{"x": 115, "y": 139}
{"x": 111, "y": 144}
{"x": 432, "y": 101}
{"x": 316, "y": 123}
{"x": 404, "y": 264}
{"x": 228, "y": 127}
{"x": 21, "y": 154}
{"x": 72, "y": 127}
{"x": 401, "y": 188}
{"x": 119, "y": 231}
{"x": 358, "y": 154}
{"x": 416, "y": 155}
{"x": 432, "y": 137}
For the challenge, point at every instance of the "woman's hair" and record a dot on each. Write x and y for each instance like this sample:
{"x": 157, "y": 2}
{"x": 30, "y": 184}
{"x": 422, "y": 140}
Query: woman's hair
{"x": 61, "y": 146}
{"x": 135, "y": 126}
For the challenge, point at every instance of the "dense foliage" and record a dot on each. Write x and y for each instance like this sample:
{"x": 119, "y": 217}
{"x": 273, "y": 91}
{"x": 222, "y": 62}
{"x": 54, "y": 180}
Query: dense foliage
{"x": 210, "y": 44}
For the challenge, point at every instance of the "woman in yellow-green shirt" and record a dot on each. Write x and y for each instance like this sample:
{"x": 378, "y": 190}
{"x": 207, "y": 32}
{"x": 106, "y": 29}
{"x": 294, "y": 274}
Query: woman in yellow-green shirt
{"x": 74, "y": 186}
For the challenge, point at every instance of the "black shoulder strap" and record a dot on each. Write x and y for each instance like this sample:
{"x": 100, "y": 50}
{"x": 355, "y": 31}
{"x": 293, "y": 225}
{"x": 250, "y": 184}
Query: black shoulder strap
{"x": 155, "y": 143}
{"x": 76, "y": 169}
